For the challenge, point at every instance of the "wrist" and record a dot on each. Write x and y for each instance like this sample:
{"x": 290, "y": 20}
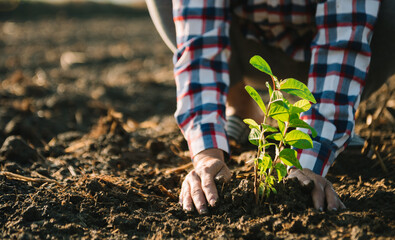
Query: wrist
{"x": 208, "y": 154}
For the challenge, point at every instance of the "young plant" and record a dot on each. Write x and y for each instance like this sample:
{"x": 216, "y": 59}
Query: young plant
{"x": 287, "y": 116}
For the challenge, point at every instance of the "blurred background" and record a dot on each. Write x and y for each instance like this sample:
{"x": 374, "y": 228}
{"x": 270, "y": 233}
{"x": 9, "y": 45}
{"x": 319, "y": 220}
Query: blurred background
{"x": 63, "y": 64}
{"x": 123, "y": 2}
{"x": 126, "y": 2}
{"x": 99, "y": 1}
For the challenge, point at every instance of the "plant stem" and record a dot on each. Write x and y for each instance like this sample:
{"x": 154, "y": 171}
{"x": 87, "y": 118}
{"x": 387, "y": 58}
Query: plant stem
{"x": 274, "y": 84}
{"x": 256, "y": 186}
{"x": 269, "y": 174}
{"x": 277, "y": 156}
{"x": 281, "y": 145}
{"x": 261, "y": 140}
{"x": 256, "y": 193}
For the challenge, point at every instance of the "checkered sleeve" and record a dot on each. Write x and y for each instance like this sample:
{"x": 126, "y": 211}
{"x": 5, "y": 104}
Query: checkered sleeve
{"x": 201, "y": 72}
{"x": 339, "y": 63}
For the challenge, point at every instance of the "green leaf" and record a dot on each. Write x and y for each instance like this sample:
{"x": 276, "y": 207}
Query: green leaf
{"x": 303, "y": 104}
{"x": 281, "y": 171}
{"x": 300, "y": 106}
{"x": 265, "y": 174}
{"x": 287, "y": 103}
{"x": 302, "y": 124}
{"x": 254, "y": 94}
{"x": 298, "y": 139}
{"x": 296, "y": 110}
{"x": 251, "y": 123}
{"x": 273, "y": 190}
{"x": 268, "y": 144}
{"x": 297, "y": 88}
{"x": 259, "y": 63}
{"x": 275, "y": 136}
{"x": 294, "y": 116}
{"x": 264, "y": 162}
{"x": 288, "y": 157}
{"x": 278, "y": 110}
{"x": 264, "y": 191}
{"x": 277, "y": 95}
{"x": 281, "y": 126}
{"x": 268, "y": 128}
{"x": 270, "y": 180}
{"x": 254, "y": 136}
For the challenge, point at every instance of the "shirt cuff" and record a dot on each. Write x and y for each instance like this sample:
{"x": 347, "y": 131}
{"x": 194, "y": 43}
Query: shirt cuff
{"x": 205, "y": 136}
{"x": 318, "y": 159}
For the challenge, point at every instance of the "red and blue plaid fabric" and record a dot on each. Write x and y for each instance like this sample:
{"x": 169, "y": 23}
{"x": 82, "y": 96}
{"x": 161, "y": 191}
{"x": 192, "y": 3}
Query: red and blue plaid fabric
{"x": 339, "y": 54}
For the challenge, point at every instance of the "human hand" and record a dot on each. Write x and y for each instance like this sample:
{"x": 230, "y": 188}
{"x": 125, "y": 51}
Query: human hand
{"x": 323, "y": 189}
{"x": 199, "y": 187}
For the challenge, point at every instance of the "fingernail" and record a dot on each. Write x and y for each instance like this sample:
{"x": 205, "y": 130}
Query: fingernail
{"x": 320, "y": 209}
{"x": 306, "y": 182}
{"x": 334, "y": 209}
{"x": 212, "y": 202}
{"x": 203, "y": 211}
{"x": 220, "y": 179}
{"x": 188, "y": 209}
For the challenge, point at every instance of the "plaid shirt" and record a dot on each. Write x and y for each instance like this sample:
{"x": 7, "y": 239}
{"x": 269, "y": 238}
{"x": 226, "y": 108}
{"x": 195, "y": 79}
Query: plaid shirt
{"x": 339, "y": 55}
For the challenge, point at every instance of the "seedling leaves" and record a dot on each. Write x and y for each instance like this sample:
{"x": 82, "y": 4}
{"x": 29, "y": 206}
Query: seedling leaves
{"x": 273, "y": 190}
{"x": 254, "y": 136}
{"x": 303, "y": 104}
{"x": 288, "y": 117}
{"x": 278, "y": 110}
{"x": 288, "y": 157}
{"x": 268, "y": 128}
{"x": 297, "y": 88}
{"x": 302, "y": 124}
{"x": 277, "y": 96}
{"x": 265, "y": 162}
{"x": 275, "y": 136}
{"x": 251, "y": 123}
{"x": 298, "y": 139}
{"x": 268, "y": 144}
{"x": 259, "y": 63}
{"x": 262, "y": 190}
{"x": 281, "y": 171}
{"x": 300, "y": 106}
{"x": 270, "y": 180}
{"x": 254, "y": 94}
{"x": 293, "y": 116}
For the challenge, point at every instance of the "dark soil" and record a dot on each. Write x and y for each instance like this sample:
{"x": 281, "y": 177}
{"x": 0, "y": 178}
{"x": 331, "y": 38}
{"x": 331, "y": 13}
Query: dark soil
{"x": 86, "y": 104}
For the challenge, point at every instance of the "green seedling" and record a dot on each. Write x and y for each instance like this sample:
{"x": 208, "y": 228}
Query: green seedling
{"x": 287, "y": 115}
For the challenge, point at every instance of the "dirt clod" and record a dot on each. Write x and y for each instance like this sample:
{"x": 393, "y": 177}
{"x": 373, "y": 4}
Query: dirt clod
{"x": 31, "y": 214}
{"x": 16, "y": 149}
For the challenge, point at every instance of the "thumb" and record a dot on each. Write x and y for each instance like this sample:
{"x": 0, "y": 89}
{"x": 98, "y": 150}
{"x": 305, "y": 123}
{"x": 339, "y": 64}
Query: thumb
{"x": 298, "y": 174}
